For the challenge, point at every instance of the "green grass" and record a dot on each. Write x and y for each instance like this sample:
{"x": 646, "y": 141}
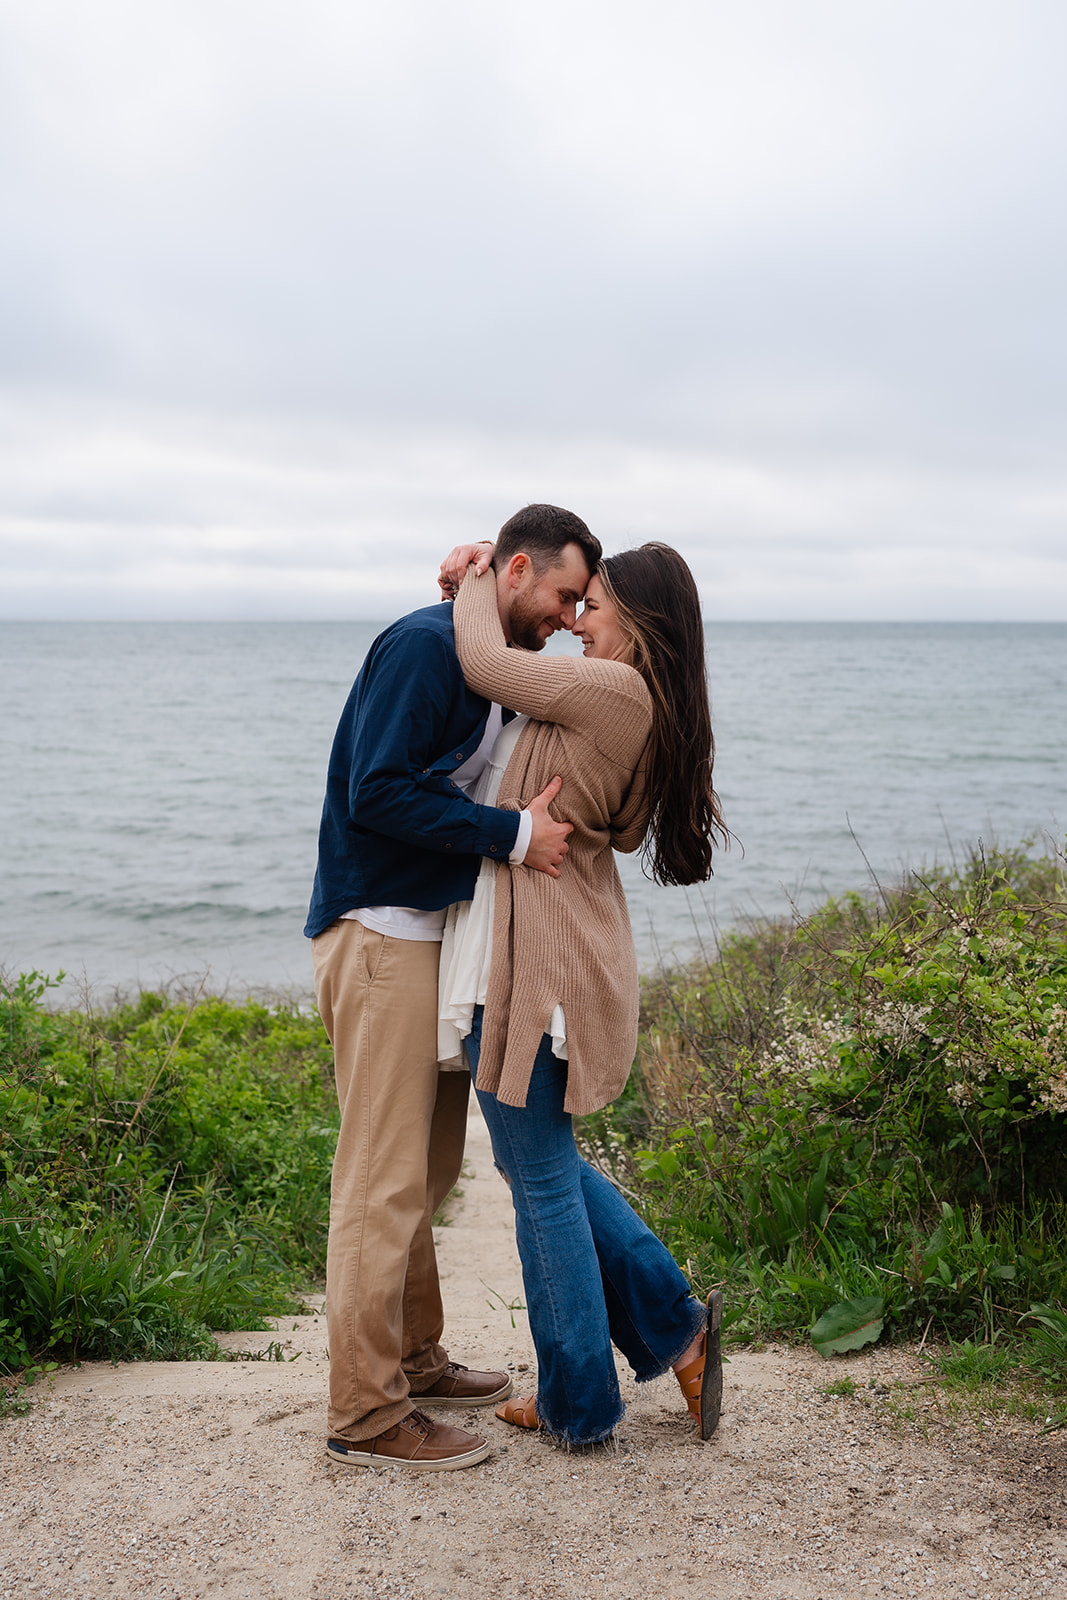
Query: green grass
{"x": 1015, "y": 1402}
{"x": 972, "y": 1366}
{"x": 164, "y": 1171}
{"x": 842, "y": 1388}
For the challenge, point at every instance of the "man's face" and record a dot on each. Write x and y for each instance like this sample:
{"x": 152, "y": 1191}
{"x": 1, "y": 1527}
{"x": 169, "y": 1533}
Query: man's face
{"x": 543, "y": 603}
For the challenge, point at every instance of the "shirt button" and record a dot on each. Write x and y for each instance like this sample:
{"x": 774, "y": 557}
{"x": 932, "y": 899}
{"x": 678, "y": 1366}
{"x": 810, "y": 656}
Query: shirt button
{"x": 458, "y": 756}
{"x": 492, "y": 849}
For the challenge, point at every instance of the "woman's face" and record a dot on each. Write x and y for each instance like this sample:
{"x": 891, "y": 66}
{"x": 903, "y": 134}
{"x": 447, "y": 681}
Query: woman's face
{"x": 598, "y": 626}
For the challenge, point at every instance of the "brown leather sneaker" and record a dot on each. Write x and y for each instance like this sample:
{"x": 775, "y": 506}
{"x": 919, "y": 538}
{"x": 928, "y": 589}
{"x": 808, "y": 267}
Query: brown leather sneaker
{"x": 417, "y": 1443}
{"x": 459, "y": 1386}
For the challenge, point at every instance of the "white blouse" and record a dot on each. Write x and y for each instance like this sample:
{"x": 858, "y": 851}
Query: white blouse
{"x": 467, "y": 943}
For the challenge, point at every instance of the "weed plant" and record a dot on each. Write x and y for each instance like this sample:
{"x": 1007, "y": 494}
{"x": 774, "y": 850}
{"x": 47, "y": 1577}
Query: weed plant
{"x": 868, "y": 1105}
{"x": 164, "y": 1171}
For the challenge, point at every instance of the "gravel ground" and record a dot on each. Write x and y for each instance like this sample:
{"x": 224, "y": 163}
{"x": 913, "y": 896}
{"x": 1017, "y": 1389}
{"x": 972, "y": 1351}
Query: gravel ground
{"x": 178, "y": 1481}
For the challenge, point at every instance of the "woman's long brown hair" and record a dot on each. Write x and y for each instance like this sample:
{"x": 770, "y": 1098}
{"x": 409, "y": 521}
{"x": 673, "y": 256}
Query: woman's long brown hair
{"x": 658, "y": 609}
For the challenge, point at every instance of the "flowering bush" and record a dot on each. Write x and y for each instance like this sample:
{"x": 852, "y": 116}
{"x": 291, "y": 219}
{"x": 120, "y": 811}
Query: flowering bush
{"x": 829, "y": 1091}
{"x": 949, "y": 1031}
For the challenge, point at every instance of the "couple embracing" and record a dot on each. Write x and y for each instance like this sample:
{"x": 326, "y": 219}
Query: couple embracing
{"x": 462, "y": 931}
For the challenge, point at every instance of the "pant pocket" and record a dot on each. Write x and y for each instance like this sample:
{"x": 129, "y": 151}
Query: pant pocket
{"x": 371, "y": 946}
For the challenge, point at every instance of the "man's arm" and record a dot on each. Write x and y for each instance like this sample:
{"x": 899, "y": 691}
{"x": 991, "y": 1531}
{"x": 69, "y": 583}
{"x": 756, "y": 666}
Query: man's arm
{"x": 391, "y": 752}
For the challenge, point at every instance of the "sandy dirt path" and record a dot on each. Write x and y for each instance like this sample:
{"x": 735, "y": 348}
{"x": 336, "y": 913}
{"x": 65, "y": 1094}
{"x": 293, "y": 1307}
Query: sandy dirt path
{"x": 178, "y": 1481}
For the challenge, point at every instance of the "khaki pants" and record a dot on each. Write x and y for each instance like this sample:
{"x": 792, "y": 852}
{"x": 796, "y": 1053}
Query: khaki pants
{"x": 399, "y": 1152}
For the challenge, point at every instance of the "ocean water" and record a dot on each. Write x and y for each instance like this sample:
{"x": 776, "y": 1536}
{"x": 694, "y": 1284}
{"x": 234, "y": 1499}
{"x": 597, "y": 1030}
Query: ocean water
{"x": 160, "y": 784}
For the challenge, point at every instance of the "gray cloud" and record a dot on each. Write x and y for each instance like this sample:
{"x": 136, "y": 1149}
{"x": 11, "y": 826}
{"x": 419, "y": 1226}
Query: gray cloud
{"x": 287, "y": 289}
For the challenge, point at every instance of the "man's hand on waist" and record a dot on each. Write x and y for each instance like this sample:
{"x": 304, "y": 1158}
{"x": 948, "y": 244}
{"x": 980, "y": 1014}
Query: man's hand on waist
{"x": 548, "y": 841}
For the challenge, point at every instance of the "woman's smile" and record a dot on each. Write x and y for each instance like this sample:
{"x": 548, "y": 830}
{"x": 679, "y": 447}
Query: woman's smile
{"x": 598, "y": 626}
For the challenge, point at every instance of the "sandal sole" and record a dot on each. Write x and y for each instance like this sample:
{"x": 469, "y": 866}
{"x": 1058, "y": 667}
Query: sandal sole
{"x": 711, "y": 1382}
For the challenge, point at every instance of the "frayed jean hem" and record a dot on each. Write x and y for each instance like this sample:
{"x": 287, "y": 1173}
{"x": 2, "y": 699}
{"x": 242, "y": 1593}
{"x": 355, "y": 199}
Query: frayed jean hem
{"x": 564, "y": 1441}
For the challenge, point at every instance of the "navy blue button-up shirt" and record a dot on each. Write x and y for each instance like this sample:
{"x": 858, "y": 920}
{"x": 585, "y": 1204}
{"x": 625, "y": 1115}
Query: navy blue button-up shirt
{"x": 395, "y": 829}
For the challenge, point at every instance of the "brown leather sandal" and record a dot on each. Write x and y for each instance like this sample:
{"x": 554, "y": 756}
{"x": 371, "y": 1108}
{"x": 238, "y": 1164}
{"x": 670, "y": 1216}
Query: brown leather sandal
{"x": 520, "y": 1412}
{"x": 701, "y": 1378}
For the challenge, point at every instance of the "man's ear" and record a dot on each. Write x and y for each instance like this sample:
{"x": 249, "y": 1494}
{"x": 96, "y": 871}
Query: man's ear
{"x": 517, "y": 570}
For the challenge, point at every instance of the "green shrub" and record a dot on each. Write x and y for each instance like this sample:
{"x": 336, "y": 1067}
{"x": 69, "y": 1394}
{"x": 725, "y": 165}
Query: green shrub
{"x": 869, "y": 1102}
{"x": 164, "y": 1170}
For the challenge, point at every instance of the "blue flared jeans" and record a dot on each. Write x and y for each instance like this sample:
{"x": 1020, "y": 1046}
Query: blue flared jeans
{"x": 594, "y": 1274}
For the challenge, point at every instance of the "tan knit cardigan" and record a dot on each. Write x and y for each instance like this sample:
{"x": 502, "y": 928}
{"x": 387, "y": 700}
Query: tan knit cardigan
{"x": 562, "y": 941}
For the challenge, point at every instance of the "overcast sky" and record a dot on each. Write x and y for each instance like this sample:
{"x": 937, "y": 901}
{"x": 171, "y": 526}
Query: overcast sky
{"x": 293, "y": 296}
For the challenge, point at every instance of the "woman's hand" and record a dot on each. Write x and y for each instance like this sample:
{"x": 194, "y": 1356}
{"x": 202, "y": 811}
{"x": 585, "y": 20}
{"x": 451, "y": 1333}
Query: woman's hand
{"x": 455, "y": 564}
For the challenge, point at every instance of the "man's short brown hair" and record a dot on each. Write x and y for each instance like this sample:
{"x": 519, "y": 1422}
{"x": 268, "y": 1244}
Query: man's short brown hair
{"x": 543, "y": 532}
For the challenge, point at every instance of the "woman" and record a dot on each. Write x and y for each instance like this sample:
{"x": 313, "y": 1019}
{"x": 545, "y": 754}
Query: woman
{"x": 539, "y": 975}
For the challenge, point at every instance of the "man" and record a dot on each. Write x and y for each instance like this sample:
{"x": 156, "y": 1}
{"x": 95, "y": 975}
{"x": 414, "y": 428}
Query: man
{"x": 400, "y": 840}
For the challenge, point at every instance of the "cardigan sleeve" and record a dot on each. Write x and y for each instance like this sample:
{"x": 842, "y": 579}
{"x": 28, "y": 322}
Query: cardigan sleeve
{"x": 568, "y": 690}
{"x": 629, "y": 826}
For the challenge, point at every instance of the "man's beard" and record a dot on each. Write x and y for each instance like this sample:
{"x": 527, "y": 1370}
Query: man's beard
{"x": 524, "y": 624}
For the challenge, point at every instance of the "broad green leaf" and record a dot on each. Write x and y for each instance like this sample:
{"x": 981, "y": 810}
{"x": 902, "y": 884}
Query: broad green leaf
{"x": 849, "y": 1325}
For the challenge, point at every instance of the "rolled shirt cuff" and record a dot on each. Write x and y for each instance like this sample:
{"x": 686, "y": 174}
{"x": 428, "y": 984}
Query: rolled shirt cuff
{"x": 522, "y": 839}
